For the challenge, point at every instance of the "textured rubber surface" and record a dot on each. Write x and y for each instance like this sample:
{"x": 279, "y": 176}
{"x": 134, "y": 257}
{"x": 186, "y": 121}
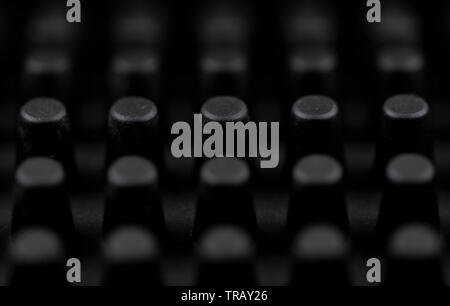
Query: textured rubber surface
{"x": 86, "y": 169}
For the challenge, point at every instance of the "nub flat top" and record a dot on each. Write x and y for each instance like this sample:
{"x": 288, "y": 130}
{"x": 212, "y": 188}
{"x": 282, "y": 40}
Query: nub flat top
{"x": 410, "y": 169}
{"x": 225, "y": 172}
{"x": 225, "y": 242}
{"x": 129, "y": 243}
{"x": 313, "y": 59}
{"x": 225, "y": 108}
{"x": 415, "y": 241}
{"x": 319, "y": 241}
{"x": 134, "y": 109}
{"x": 317, "y": 170}
{"x": 132, "y": 171}
{"x": 40, "y": 172}
{"x": 47, "y": 61}
{"x": 314, "y": 108}
{"x": 43, "y": 110}
{"x": 36, "y": 245}
{"x": 405, "y": 107}
{"x": 401, "y": 58}
{"x": 135, "y": 61}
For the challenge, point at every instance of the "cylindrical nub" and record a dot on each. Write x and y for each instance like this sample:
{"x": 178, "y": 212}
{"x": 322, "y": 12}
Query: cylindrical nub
{"x": 317, "y": 194}
{"x": 414, "y": 245}
{"x": 410, "y": 169}
{"x": 315, "y": 127}
{"x": 225, "y": 109}
{"x": 226, "y": 256}
{"x": 401, "y": 69}
{"x": 319, "y": 252}
{"x": 132, "y": 195}
{"x": 136, "y": 71}
{"x": 44, "y": 130}
{"x": 312, "y": 70}
{"x": 38, "y": 258}
{"x": 317, "y": 170}
{"x": 47, "y": 72}
{"x": 404, "y": 115}
{"x": 132, "y": 256}
{"x": 225, "y": 172}
{"x": 133, "y": 129}
{"x": 40, "y": 196}
{"x": 409, "y": 194}
{"x": 405, "y": 127}
{"x": 223, "y": 71}
{"x": 400, "y": 59}
{"x": 133, "y": 171}
{"x": 39, "y": 172}
{"x": 225, "y": 194}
